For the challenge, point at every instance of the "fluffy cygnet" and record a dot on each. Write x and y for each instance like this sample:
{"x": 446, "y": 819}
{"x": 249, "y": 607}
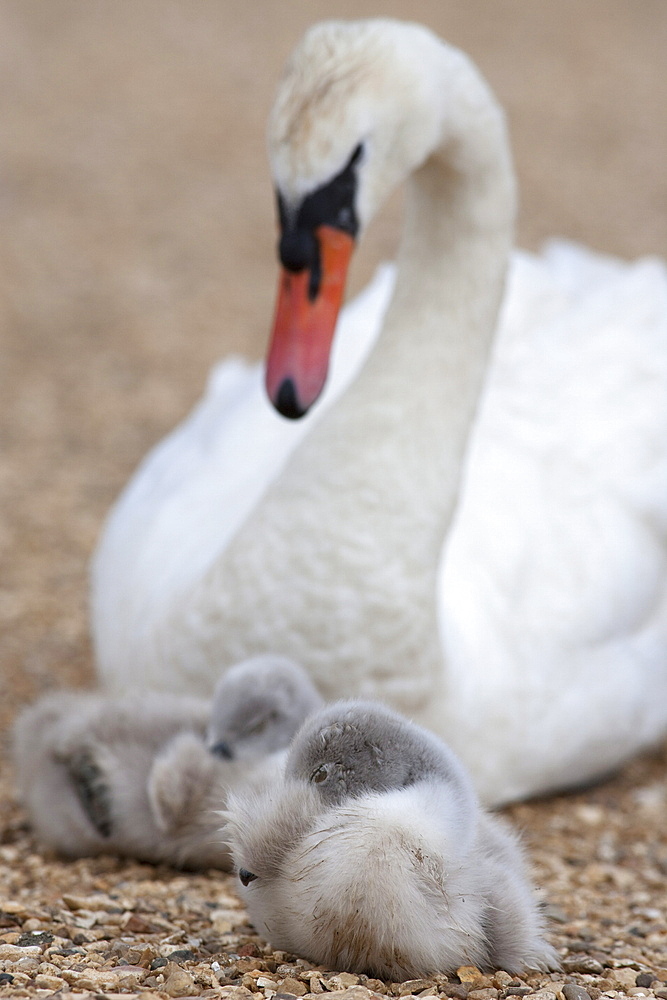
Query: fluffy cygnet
{"x": 258, "y": 707}
{"x": 135, "y": 776}
{"x": 372, "y": 854}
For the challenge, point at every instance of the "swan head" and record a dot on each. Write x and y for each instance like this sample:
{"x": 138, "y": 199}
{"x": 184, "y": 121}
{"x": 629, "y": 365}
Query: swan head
{"x": 358, "y": 109}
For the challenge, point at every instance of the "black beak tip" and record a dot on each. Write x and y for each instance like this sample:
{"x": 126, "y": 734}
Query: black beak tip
{"x": 287, "y": 403}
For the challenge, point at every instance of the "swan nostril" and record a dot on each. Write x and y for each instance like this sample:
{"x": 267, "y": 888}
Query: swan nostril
{"x": 286, "y": 401}
{"x": 298, "y": 250}
{"x": 246, "y": 876}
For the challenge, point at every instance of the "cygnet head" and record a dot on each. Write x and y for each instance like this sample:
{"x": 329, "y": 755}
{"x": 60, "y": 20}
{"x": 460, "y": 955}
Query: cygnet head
{"x": 258, "y": 706}
{"x": 352, "y": 748}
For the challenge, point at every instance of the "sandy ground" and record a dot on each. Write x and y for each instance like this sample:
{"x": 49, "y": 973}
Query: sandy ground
{"x": 136, "y": 243}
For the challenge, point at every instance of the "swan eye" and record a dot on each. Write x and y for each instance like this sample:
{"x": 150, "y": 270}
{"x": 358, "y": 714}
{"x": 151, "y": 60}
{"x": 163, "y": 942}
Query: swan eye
{"x": 246, "y": 876}
{"x": 320, "y": 774}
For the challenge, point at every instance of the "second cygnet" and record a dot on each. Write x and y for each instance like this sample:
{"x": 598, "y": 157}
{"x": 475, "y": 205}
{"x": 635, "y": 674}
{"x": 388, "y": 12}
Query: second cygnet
{"x": 135, "y": 776}
{"x": 372, "y": 854}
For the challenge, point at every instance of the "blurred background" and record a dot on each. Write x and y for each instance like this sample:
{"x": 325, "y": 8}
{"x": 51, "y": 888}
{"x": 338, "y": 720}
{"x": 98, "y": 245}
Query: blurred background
{"x": 137, "y": 231}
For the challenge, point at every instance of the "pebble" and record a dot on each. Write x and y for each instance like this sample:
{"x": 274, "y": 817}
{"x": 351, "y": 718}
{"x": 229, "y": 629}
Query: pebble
{"x": 46, "y": 982}
{"x": 413, "y": 986}
{"x": 342, "y": 981}
{"x": 295, "y": 987}
{"x": 12, "y": 953}
{"x": 583, "y": 963}
{"x": 471, "y": 974}
{"x": 571, "y": 991}
{"x": 178, "y": 981}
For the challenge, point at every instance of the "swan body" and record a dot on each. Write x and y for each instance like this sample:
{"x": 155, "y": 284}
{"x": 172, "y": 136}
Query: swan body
{"x": 471, "y": 524}
{"x": 373, "y": 855}
{"x": 146, "y": 777}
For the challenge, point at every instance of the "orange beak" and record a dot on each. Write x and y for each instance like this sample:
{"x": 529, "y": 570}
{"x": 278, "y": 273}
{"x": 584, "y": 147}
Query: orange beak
{"x": 303, "y": 328}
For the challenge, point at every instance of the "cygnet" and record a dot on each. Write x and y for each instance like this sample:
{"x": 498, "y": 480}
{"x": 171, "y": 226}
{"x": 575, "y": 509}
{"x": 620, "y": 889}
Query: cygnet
{"x": 136, "y": 777}
{"x": 372, "y": 854}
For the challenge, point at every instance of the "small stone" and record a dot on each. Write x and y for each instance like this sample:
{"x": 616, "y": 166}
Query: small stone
{"x": 661, "y": 993}
{"x": 129, "y": 976}
{"x": 158, "y": 963}
{"x": 624, "y": 977}
{"x": 573, "y": 992}
{"x": 517, "y": 991}
{"x": 178, "y": 982}
{"x": 182, "y": 955}
{"x": 343, "y": 981}
{"x": 316, "y": 985}
{"x": 644, "y": 979}
{"x": 12, "y": 952}
{"x": 250, "y": 951}
{"x": 93, "y": 979}
{"x": 582, "y": 963}
{"x": 48, "y": 982}
{"x": 137, "y": 925}
{"x": 414, "y": 986}
{"x": 501, "y": 979}
{"x": 484, "y": 993}
{"x": 458, "y": 991}
{"x": 639, "y": 991}
{"x": 6, "y": 977}
{"x": 297, "y": 988}
{"x": 29, "y": 964}
{"x": 469, "y": 974}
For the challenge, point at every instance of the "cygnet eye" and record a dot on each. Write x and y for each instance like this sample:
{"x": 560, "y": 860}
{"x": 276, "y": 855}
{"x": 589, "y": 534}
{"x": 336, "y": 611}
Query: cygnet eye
{"x": 246, "y": 876}
{"x": 320, "y": 774}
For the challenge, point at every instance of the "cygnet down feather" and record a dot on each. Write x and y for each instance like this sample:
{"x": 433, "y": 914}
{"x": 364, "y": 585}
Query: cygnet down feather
{"x": 138, "y": 777}
{"x": 373, "y": 854}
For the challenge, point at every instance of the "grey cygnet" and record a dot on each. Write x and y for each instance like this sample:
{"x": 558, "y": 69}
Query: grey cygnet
{"x": 135, "y": 776}
{"x": 373, "y": 854}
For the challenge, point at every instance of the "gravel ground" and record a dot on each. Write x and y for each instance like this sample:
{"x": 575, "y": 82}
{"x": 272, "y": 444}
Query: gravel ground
{"x": 136, "y": 247}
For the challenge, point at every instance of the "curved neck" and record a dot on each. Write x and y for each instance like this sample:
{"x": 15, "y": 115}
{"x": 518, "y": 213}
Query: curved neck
{"x": 404, "y": 423}
{"x": 347, "y": 542}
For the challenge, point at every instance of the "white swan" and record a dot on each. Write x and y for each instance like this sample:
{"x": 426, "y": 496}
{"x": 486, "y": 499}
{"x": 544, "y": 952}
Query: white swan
{"x": 372, "y": 854}
{"x": 534, "y": 640}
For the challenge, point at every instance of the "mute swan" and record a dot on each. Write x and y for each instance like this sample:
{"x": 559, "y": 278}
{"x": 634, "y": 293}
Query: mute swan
{"x": 373, "y": 855}
{"x": 474, "y": 531}
{"x": 133, "y": 776}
